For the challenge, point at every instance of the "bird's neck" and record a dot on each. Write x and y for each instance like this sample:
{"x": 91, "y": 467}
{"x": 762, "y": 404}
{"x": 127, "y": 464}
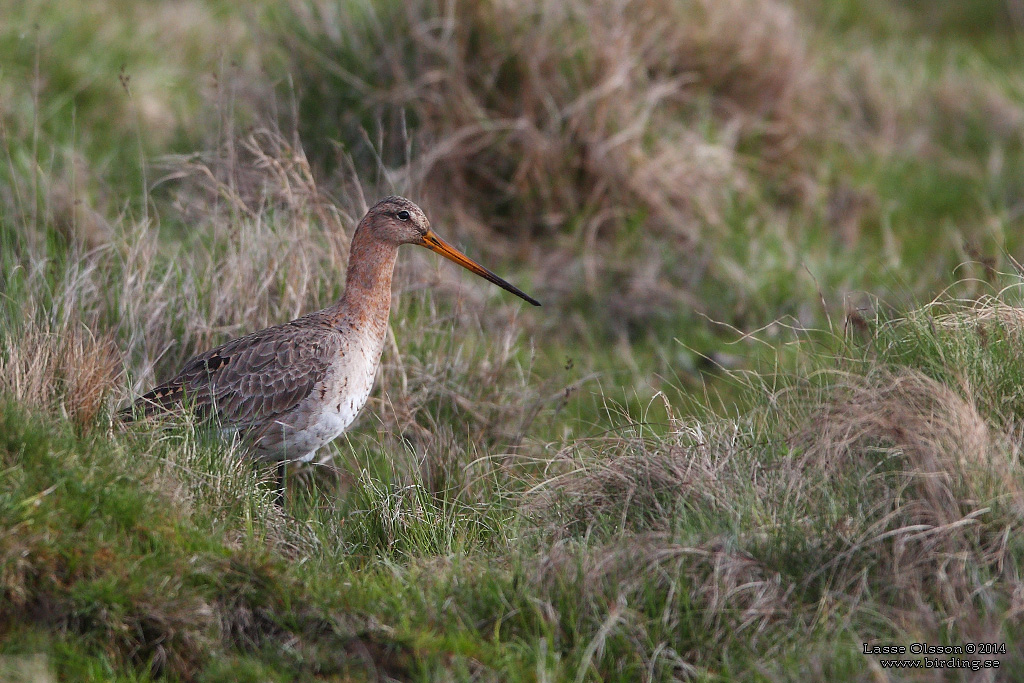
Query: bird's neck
{"x": 367, "y": 299}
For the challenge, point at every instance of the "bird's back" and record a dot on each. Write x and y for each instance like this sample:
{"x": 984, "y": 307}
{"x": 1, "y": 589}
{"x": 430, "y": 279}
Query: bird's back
{"x": 276, "y": 386}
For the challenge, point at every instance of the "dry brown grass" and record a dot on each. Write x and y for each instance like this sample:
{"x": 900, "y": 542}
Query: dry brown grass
{"x": 941, "y": 488}
{"x": 637, "y": 480}
{"x": 267, "y": 241}
{"x": 953, "y": 456}
{"x": 261, "y": 246}
{"x": 560, "y": 122}
{"x": 897, "y": 495}
{"x": 617, "y": 146}
{"x": 729, "y": 594}
{"x": 62, "y": 364}
{"x": 985, "y": 316}
{"x": 892, "y": 103}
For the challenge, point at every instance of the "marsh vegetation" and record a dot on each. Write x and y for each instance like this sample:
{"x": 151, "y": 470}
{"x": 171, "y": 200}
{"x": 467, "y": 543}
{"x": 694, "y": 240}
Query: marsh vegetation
{"x": 770, "y": 411}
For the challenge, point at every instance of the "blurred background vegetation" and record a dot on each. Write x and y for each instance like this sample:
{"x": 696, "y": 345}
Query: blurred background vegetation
{"x": 719, "y": 203}
{"x": 659, "y": 180}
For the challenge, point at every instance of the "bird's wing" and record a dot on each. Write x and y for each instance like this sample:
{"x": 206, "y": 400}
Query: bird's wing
{"x": 250, "y": 379}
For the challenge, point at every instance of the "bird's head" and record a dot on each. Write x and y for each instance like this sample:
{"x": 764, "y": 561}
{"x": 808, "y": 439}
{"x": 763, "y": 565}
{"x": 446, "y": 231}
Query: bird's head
{"x": 397, "y": 221}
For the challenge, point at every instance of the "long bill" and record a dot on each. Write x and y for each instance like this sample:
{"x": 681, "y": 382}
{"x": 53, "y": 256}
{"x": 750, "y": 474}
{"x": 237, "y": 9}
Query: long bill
{"x": 436, "y": 244}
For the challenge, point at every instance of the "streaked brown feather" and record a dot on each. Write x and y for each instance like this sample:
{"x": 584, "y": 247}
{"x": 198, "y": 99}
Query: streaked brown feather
{"x": 251, "y": 379}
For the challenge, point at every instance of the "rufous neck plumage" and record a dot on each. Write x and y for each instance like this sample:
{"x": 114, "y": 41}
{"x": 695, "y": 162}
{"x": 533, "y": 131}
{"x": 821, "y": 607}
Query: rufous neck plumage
{"x": 367, "y": 296}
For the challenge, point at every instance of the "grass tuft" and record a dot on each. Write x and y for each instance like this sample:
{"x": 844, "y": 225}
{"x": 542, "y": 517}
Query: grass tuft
{"x": 730, "y": 211}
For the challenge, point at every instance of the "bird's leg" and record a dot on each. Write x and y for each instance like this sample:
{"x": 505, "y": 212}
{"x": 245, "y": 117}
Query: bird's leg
{"x": 282, "y": 468}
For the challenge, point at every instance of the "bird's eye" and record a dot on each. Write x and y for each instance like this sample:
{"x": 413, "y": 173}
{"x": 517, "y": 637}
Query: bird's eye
{"x": 403, "y": 215}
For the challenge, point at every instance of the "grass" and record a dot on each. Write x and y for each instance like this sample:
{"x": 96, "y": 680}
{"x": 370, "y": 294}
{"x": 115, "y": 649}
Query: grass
{"x": 769, "y": 412}
{"x": 873, "y": 500}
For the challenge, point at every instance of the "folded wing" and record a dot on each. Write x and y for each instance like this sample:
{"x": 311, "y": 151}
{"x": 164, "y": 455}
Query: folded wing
{"x": 250, "y": 380}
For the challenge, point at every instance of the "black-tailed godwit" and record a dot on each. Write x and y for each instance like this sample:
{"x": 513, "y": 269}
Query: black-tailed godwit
{"x": 293, "y": 388}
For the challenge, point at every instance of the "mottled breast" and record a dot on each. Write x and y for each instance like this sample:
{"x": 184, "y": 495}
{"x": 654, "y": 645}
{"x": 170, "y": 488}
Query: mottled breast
{"x": 330, "y": 407}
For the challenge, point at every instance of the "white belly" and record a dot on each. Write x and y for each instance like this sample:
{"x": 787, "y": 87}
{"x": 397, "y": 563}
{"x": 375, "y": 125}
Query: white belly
{"x": 335, "y": 416}
{"x": 331, "y": 408}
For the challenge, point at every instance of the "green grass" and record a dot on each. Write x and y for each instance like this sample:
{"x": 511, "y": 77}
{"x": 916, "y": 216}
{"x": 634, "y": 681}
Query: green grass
{"x": 736, "y": 442}
{"x": 641, "y": 550}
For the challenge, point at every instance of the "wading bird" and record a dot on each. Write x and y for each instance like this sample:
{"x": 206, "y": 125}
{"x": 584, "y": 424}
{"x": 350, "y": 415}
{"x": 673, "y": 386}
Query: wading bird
{"x": 292, "y": 388}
